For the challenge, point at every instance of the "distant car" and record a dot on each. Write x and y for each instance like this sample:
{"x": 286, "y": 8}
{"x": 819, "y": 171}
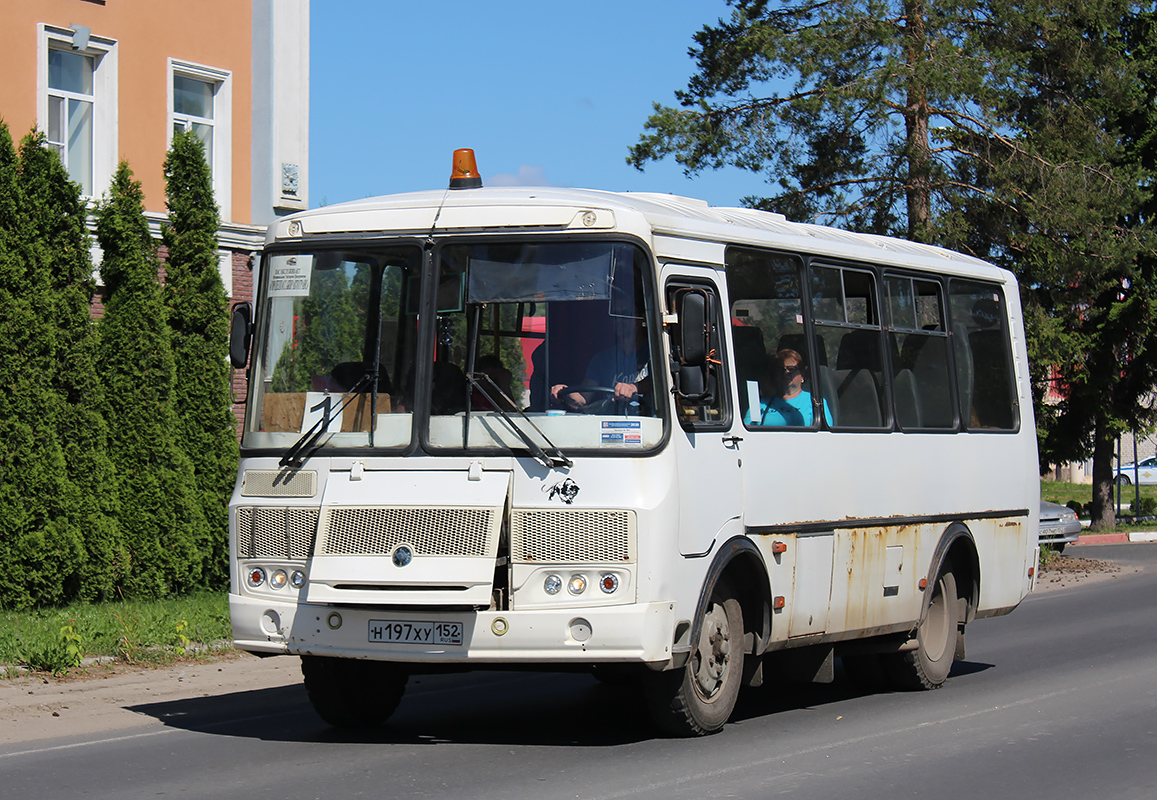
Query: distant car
{"x": 1058, "y": 525}
{"x": 1143, "y": 472}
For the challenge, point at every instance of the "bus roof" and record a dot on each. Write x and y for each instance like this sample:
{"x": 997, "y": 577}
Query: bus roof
{"x": 527, "y": 208}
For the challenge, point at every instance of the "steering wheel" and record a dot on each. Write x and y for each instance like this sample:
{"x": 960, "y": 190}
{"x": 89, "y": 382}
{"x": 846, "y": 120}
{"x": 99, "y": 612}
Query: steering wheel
{"x": 565, "y": 393}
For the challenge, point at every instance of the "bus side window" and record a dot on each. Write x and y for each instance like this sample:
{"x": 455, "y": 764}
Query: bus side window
{"x": 766, "y": 317}
{"x": 982, "y": 349}
{"x": 922, "y": 391}
{"x": 847, "y": 319}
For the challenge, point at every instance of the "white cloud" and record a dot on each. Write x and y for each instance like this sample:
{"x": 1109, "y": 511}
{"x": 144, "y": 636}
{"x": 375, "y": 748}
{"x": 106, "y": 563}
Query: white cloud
{"x": 527, "y": 176}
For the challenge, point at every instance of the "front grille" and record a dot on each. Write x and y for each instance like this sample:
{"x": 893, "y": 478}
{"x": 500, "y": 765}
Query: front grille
{"x": 278, "y": 483}
{"x": 572, "y": 536}
{"x": 429, "y": 531}
{"x": 275, "y": 532}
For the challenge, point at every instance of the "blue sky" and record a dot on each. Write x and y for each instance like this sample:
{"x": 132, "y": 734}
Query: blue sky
{"x": 546, "y": 92}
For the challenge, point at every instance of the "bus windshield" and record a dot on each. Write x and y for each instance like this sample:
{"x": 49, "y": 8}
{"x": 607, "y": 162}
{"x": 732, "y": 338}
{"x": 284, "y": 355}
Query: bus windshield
{"x": 546, "y": 340}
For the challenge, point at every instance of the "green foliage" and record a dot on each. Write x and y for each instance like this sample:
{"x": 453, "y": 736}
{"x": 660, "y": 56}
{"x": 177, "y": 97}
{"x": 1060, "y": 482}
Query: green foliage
{"x": 134, "y": 631}
{"x": 56, "y": 656}
{"x": 198, "y": 319}
{"x": 161, "y": 519}
{"x": 41, "y": 546}
{"x": 61, "y": 244}
{"x": 1145, "y": 507}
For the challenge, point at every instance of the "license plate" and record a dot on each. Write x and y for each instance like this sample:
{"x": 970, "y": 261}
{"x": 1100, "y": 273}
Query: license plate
{"x": 396, "y": 632}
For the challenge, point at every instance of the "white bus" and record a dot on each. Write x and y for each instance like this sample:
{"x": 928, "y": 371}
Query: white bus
{"x": 630, "y": 433}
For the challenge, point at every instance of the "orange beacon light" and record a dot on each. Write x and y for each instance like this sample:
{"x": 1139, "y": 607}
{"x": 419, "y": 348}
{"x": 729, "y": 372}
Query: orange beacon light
{"x": 464, "y": 174}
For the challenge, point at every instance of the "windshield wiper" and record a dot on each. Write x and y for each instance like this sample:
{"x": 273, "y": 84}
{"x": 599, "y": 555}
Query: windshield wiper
{"x": 303, "y": 448}
{"x": 551, "y": 460}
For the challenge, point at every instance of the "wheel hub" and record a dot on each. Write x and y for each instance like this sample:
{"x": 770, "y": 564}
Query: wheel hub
{"x": 711, "y": 658}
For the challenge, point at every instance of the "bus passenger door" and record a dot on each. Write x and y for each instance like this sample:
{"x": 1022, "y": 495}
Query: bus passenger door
{"x": 708, "y": 453}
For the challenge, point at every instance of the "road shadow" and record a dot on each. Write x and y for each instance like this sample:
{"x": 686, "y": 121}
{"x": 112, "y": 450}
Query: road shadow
{"x": 502, "y": 708}
{"x": 779, "y": 695}
{"x": 546, "y": 709}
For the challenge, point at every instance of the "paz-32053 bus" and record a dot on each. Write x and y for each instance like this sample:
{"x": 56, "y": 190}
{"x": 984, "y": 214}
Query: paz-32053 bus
{"x": 633, "y": 433}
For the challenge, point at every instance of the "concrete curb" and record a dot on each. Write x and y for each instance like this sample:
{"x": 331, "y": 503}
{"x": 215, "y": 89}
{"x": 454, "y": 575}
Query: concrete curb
{"x": 1116, "y": 538}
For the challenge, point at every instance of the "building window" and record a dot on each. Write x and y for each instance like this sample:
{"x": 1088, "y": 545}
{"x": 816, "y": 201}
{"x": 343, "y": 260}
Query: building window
{"x": 77, "y": 110}
{"x": 201, "y": 101}
{"x": 70, "y": 101}
{"x": 193, "y": 110}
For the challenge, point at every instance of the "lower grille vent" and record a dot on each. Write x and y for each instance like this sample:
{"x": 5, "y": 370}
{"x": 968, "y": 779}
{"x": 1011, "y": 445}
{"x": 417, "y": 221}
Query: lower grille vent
{"x": 276, "y": 532}
{"x": 572, "y": 536}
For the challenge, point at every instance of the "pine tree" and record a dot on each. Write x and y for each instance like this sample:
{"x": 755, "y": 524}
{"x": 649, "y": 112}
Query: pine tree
{"x": 161, "y": 519}
{"x": 61, "y": 243}
{"x": 198, "y": 319}
{"x": 41, "y": 550}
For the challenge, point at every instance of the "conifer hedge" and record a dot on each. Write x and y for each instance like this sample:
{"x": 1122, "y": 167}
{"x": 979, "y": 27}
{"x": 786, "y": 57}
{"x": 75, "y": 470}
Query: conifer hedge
{"x": 118, "y": 447}
{"x": 198, "y": 319}
{"x": 161, "y": 520}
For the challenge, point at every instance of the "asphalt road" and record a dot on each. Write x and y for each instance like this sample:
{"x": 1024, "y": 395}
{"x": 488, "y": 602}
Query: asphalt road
{"x": 1056, "y": 700}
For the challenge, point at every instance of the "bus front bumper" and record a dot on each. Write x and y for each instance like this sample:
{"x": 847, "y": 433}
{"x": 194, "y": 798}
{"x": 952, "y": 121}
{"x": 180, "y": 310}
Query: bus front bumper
{"x": 640, "y": 632}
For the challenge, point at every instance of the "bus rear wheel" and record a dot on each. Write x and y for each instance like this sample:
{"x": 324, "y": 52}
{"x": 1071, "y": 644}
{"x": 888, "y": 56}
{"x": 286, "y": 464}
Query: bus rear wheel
{"x": 927, "y": 666}
{"x": 353, "y": 694}
{"x": 699, "y": 698}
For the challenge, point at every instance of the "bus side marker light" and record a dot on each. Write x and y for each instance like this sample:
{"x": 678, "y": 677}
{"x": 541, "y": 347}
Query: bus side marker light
{"x": 1031, "y": 571}
{"x": 923, "y": 584}
{"x": 778, "y": 547}
{"x": 778, "y": 603}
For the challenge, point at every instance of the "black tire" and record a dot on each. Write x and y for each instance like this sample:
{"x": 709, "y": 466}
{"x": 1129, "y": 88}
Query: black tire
{"x": 1059, "y": 547}
{"x": 353, "y": 694}
{"x": 928, "y": 665}
{"x": 1123, "y": 480}
{"x": 699, "y": 698}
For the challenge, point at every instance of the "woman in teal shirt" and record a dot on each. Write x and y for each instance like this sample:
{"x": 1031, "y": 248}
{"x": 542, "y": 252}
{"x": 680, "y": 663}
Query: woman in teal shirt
{"x": 792, "y": 407}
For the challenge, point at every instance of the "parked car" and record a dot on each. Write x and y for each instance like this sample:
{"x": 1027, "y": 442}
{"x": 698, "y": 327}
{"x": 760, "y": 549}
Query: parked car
{"x": 1143, "y": 472}
{"x": 1058, "y": 525}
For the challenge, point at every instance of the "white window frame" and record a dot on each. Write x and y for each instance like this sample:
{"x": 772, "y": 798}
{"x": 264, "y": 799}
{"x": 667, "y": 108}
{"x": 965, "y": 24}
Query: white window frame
{"x": 222, "y": 166}
{"x": 104, "y": 94}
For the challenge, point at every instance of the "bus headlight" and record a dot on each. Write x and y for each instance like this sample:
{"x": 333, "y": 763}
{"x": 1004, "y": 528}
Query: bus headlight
{"x": 297, "y": 579}
{"x": 577, "y": 585}
{"x": 278, "y": 579}
{"x": 552, "y": 584}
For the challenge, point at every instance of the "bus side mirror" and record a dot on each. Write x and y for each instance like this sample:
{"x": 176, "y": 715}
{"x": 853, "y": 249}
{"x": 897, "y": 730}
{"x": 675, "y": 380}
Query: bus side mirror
{"x": 240, "y": 334}
{"x": 693, "y": 380}
{"x": 693, "y": 327}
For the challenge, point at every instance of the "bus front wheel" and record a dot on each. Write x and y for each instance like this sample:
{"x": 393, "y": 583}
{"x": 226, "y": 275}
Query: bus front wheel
{"x": 353, "y": 694}
{"x": 699, "y": 698}
{"x": 927, "y": 666}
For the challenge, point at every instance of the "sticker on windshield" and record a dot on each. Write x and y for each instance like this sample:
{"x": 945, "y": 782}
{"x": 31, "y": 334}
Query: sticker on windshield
{"x": 626, "y": 433}
{"x": 289, "y": 275}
